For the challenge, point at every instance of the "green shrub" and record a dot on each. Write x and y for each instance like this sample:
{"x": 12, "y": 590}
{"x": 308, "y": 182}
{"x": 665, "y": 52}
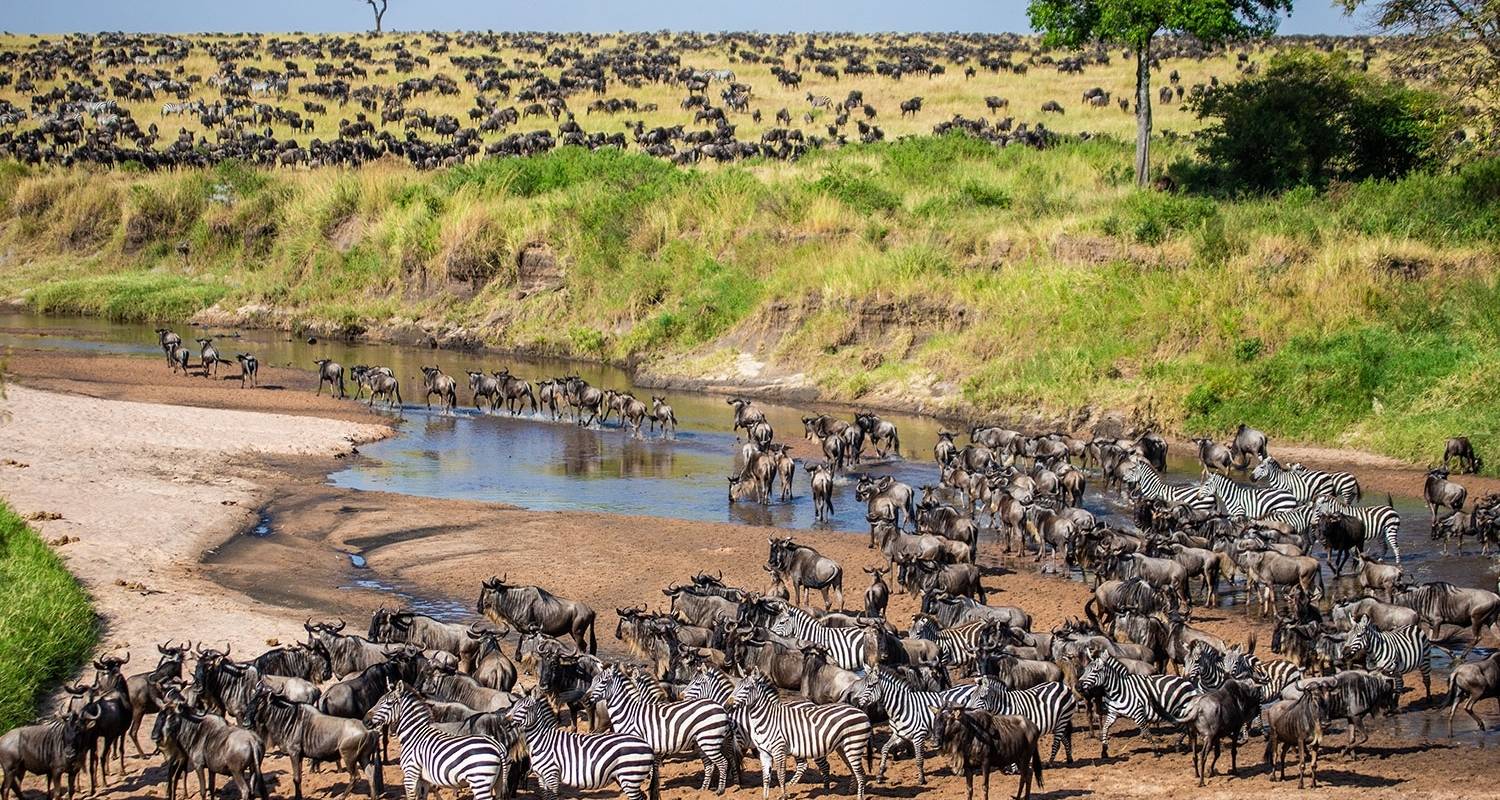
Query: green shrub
{"x": 1313, "y": 119}
{"x": 129, "y": 297}
{"x": 860, "y": 192}
{"x": 47, "y": 628}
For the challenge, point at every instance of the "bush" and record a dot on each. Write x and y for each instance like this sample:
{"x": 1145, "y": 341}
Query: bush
{"x": 1312, "y": 119}
{"x": 859, "y": 192}
{"x": 48, "y": 626}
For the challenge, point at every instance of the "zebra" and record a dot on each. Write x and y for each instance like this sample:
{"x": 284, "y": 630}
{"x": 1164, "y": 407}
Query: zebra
{"x": 910, "y": 711}
{"x": 1394, "y": 652}
{"x": 1273, "y": 676}
{"x": 1382, "y": 519}
{"x": 1345, "y": 486}
{"x": 1149, "y": 485}
{"x": 1305, "y": 486}
{"x": 1300, "y": 519}
{"x": 584, "y": 761}
{"x": 802, "y": 731}
{"x": 1049, "y": 706}
{"x": 667, "y": 727}
{"x": 430, "y": 756}
{"x": 1143, "y": 698}
{"x": 847, "y": 647}
{"x": 1207, "y": 666}
{"x": 1247, "y": 501}
{"x": 958, "y": 645}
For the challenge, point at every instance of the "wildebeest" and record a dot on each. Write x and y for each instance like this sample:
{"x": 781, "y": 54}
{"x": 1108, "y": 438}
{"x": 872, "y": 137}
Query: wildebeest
{"x": 807, "y": 569}
{"x": 1471, "y": 683}
{"x": 1352, "y": 695}
{"x": 1441, "y": 603}
{"x": 524, "y": 606}
{"x": 822, "y": 490}
{"x": 484, "y": 387}
{"x": 53, "y": 748}
{"x": 882, "y": 434}
{"x": 436, "y": 383}
{"x": 886, "y": 498}
{"x": 213, "y": 747}
{"x": 1211, "y": 716}
{"x": 919, "y": 575}
{"x": 249, "y": 369}
{"x": 1296, "y": 722}
{"x": 428, "y": 633}
{"x": 977, "y": 741}
{"x": 1213, "y": 456}
{"x": 331, "y": 373}
{"x": 145, "y": 688}
{"x": 1247, "y": 442}
{"x": 1459, "y": 449}
{"x": 302, "y": 731}
{"x": 662, "y": 414}
{"x": 209, "y": 357}
{"x": 878, "y": 594}
{"x": 1439, "y": 492}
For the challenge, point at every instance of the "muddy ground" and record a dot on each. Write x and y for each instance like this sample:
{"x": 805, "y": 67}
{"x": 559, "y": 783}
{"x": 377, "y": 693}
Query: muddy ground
{"x": 168, "y": 497}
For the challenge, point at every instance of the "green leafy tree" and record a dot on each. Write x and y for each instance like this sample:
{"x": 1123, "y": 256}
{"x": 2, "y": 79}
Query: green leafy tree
{"x": 1134, "y": 23}
{"x": 1311, "y": 119}
{"x": 1455, "y": 41}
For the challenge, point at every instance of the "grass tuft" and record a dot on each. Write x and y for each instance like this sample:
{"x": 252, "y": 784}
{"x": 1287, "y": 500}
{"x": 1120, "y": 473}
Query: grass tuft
{"x": 47, "y": 626}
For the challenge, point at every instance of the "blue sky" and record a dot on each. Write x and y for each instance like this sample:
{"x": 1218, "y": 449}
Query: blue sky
{"x": 30, "y": 16}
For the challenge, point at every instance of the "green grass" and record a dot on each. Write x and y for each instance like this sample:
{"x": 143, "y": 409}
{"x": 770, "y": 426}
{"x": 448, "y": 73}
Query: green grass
{"x": 1361, "y": 316}
{"x": 47, "y": 626}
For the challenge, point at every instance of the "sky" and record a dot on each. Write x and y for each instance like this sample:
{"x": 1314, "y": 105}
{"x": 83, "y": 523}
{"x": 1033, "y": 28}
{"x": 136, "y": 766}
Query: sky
{"x": 31, "y": 16}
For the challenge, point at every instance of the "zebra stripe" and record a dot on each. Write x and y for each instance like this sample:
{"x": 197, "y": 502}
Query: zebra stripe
{"x": 1273, "y": 676}
{"x": 1205, "y": 666}
{"x": 1049, "y": 706}
{"x": 667, "y": 727}
{"x": 803, "y": 731}
{"x": 958, "y": 645}
{"x": 1395, "y": 652}
{"x": 1300, "y": 519}
{"x": 1305, "y": 486}
{"x": 1247, "y": 501}
{"x": 1151, "y": 487}
{"x": 1344, "y": 485}
{"x": 910, "y": 711}
{"x": 1377, "y": 519}
{"x": 430, "y": 755}
{"x": 584, "y": 761}
{"x": 846, "y": 646}
{"x": 1143, "y": 698}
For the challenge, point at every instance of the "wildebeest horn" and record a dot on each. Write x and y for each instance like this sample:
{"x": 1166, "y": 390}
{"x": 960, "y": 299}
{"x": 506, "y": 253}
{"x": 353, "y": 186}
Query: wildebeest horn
{"x": 339, "y": 627}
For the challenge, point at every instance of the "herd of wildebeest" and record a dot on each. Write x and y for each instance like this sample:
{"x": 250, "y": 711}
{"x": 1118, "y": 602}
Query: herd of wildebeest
{"x": 718, "y": 672}
{"x": 82, "y": 89}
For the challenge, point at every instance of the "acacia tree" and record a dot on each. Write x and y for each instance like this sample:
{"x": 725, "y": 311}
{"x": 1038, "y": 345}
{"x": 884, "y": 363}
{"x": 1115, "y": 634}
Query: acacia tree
{"x": 378, "y": 6}
{"x": 1134, "y": 23}
{"x": 1454, "y": 41}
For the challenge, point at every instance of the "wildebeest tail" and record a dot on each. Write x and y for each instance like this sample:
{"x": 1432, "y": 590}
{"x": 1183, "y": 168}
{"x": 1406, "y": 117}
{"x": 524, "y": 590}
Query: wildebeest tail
{"x": 655, "y": 793}
{"x": 593, "y": 643}
{"x": 1036, "y": 762}
{"x": 258, "y": 778}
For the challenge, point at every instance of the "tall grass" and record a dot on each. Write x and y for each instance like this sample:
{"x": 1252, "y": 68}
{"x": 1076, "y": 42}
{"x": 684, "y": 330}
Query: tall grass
{"x": 47, "y": 626}
{"x": 1357, "y": 316}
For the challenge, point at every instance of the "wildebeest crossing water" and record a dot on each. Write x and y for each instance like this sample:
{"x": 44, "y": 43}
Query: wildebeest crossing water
{"x": 533, "y": 462}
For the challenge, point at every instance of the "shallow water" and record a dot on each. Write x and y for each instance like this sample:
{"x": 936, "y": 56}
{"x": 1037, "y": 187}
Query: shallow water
{"x": 541, "y": 464}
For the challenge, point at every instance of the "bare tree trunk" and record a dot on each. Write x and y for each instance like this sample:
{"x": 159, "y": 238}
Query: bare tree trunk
{"x": 1143, "y": 113}
{"x": 379, "y": 7}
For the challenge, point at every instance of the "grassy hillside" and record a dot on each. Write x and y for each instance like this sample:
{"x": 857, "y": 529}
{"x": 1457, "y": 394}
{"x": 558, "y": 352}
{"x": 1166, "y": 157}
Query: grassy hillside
{"x": 939, "y": 272}
{"x": 46, "y": 625}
